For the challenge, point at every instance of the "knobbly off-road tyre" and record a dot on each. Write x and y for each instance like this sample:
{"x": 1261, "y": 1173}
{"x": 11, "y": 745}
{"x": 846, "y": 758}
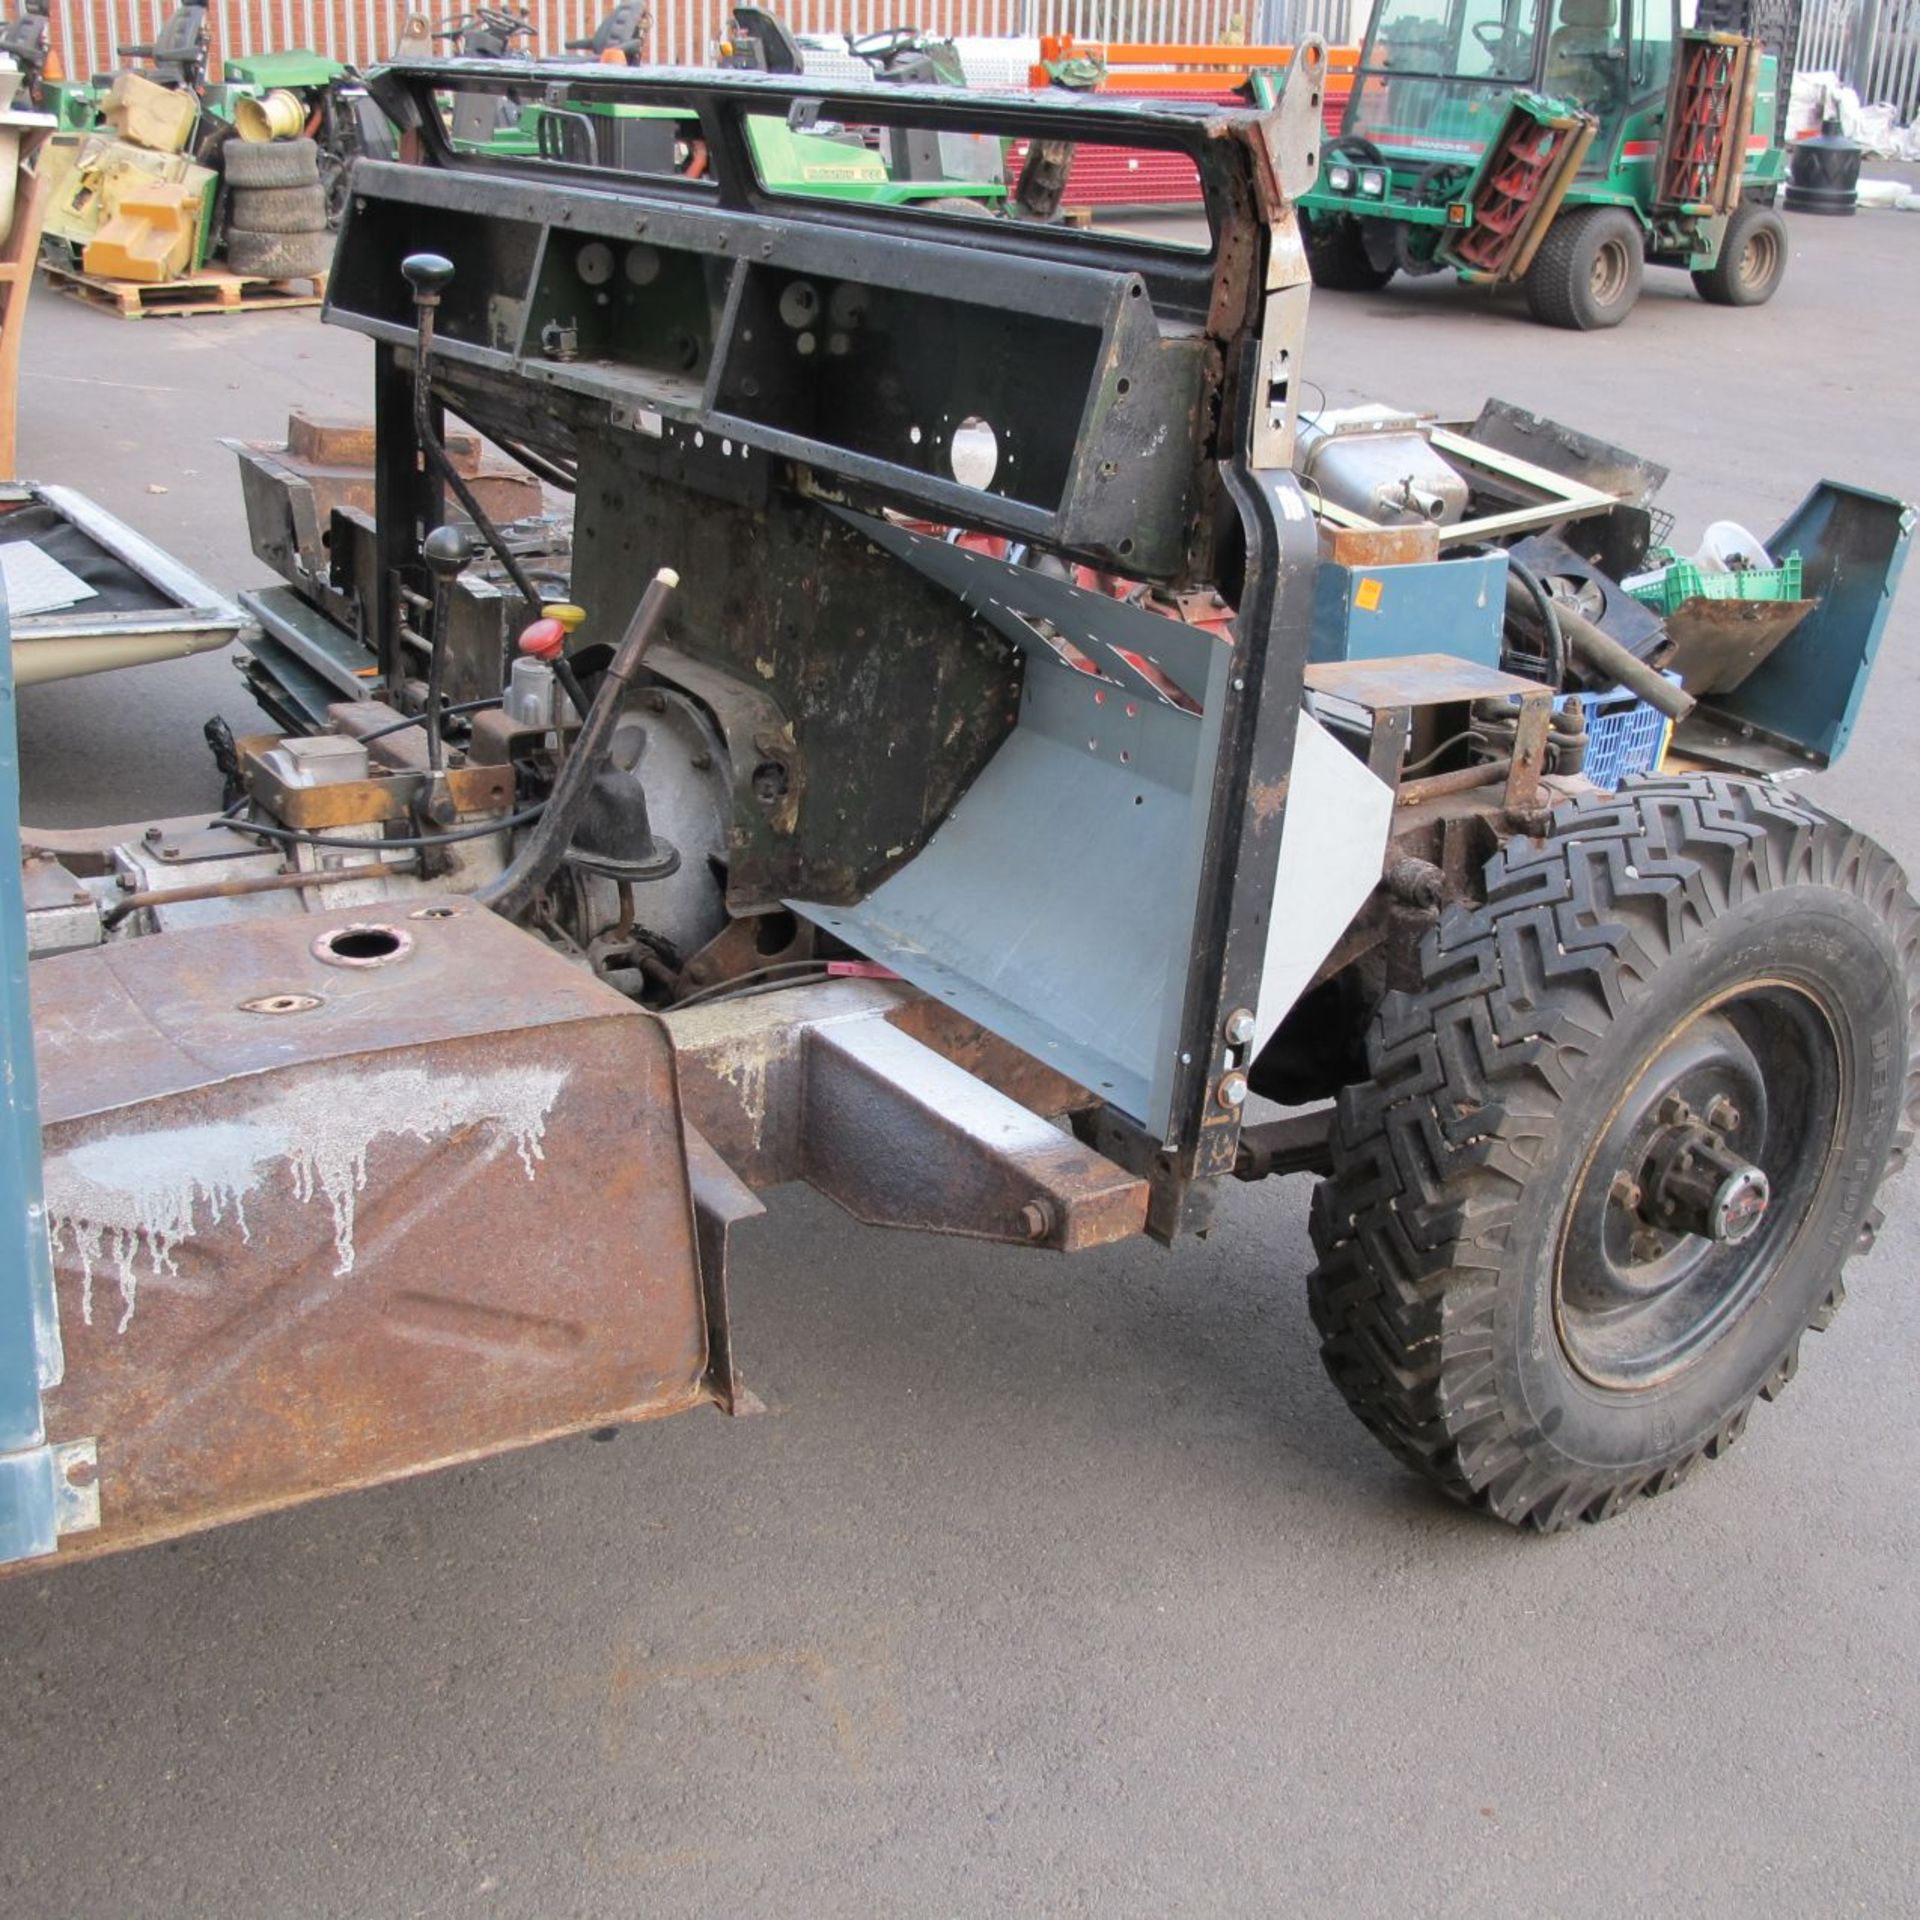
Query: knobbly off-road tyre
{"x": 1481, "y": 1292}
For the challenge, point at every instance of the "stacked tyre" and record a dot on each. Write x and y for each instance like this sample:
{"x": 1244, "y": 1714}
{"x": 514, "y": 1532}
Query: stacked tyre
{"x": 276, "y": 210}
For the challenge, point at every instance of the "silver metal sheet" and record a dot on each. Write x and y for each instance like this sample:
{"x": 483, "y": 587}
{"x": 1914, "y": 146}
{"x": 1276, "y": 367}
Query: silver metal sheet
{"x": 1060, "y": 894}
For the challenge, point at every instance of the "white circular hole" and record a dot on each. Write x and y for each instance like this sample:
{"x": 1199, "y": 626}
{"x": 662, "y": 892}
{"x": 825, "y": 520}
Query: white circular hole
{"x": 975, "y": 453}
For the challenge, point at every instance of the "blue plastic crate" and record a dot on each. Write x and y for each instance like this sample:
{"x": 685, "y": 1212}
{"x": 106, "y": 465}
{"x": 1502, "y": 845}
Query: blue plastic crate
{"x": 1624, "y": 735}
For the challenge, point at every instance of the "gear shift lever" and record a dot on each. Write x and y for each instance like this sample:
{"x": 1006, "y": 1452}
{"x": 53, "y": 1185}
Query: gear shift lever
{"x": 429, "y": 275}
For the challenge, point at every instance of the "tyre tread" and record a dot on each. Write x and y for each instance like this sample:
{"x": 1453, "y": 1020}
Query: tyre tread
{"x": 1431, "y": 1154}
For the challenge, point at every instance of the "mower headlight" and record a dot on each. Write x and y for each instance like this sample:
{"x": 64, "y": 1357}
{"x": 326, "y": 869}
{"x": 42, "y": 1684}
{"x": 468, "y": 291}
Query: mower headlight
{"x": 1339, "y": 179}
{"x": 1373, "y": 182}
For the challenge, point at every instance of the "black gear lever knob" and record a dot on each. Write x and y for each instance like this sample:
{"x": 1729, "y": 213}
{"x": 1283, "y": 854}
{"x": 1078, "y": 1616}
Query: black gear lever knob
{"x": 446, "y": 550}
{"x": 427, "y": 274}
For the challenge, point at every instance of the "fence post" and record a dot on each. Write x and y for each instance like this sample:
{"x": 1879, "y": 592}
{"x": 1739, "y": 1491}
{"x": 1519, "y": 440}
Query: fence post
{"x": 1866, "y": 32}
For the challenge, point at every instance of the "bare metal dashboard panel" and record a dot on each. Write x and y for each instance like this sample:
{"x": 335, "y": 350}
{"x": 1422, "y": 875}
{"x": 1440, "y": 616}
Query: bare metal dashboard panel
{"x": 784, "y": 399}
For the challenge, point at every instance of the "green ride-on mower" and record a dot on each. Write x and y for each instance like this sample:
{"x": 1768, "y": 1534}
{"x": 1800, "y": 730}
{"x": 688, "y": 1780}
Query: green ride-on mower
{"x": 587, "y": 124}
{"x": 1560, "y": 144}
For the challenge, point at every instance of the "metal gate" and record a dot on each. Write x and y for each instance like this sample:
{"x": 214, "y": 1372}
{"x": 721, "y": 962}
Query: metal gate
{"x": 1873, "y": 44}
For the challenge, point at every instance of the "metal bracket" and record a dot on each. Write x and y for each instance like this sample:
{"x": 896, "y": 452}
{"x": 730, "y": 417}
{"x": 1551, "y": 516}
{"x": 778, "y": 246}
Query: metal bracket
{"x": 1293, "y": 128}
{"x": 45, "y": 1492}
{"x": 76, "y": 1485}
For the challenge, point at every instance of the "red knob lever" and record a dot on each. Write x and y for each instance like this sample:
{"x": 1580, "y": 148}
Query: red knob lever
{"x": 544, "y": 640}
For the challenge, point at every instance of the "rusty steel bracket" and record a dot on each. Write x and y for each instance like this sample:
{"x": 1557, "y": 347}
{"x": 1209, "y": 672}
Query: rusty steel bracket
{"x": 1529, "y": 750}
{"x": 721, "y": 1200}
{"x": 816, "y": 1084}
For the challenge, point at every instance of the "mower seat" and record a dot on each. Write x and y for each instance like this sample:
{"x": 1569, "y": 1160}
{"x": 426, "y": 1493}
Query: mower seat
{"x": 624, "y": 30}
{"x": 1583, "y": 52}
{"x": 178, "y": 51}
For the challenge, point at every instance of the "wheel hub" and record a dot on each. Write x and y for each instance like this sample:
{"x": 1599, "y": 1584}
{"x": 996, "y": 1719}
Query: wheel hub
{"x": 1694, "y": 1187}
{"x": 1609, "y": 274}
{"x": 1694, "y": 1182}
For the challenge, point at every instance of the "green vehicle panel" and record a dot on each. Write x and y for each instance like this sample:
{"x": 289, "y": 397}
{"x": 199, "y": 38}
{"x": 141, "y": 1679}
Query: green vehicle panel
{"x": 825, "y": 166}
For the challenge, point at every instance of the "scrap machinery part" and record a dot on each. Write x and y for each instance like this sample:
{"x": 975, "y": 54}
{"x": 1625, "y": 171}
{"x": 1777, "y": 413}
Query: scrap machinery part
{"x": 979, "y": 823}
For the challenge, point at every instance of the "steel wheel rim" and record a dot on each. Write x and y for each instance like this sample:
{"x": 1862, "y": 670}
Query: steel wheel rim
{"x": 1607, "y": 281}
{"x": 1758, "y": 257}
{"x": 1637, "y": 1303}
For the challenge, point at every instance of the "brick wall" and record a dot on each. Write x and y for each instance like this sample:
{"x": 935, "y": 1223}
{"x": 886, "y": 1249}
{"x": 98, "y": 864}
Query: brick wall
{"x": 90, "y": 33}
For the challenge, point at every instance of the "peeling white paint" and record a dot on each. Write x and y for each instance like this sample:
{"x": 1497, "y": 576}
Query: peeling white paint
{"x": 133, "y": 1198}
{"x": 744, "y": 1068}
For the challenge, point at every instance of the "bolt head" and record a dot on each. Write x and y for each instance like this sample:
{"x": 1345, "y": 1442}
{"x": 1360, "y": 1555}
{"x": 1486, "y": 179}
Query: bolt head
{"x": 1238, "y": 1027}
{"x": 1232, "y": 1090}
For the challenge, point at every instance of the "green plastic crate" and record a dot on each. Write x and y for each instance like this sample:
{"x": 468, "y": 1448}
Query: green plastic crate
{"x": 1684, "y": 581}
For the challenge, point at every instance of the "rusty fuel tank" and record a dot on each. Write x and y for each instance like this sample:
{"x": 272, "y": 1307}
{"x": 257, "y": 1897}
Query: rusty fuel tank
{"x": 332, "y": 1202}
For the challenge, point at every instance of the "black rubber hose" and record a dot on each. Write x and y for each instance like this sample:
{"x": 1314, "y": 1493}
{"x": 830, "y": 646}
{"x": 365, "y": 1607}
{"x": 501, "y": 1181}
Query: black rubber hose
{"x": 1543, "y": 601}
{"x": 568, "y": 682}
{"x": 514, "y": 890}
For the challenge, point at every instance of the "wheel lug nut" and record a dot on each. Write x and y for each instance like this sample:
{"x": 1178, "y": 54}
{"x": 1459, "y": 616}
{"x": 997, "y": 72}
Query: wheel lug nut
{"x": 1723, "y": 1116}
{"x": 1626, "y": 1190}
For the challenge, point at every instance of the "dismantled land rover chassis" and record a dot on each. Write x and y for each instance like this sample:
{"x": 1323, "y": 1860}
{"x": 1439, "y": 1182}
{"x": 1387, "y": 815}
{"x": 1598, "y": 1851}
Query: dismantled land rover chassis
{"x": 920, "y": 767}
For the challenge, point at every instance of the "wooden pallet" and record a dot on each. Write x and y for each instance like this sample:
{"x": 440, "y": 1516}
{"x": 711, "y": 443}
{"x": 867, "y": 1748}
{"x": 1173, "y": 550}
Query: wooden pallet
{"x": 209, "y": 292}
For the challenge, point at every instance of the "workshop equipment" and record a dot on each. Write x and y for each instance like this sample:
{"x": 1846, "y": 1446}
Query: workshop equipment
{"x": 946, "y": 809}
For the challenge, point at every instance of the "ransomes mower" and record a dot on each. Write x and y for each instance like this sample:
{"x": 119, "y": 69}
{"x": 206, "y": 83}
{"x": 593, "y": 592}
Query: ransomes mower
{"x": 973, "y": 741}
{"x": 1560, "y": 144}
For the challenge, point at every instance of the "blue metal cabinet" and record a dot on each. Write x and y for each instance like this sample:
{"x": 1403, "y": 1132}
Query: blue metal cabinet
{"x": 1427, "y": 606}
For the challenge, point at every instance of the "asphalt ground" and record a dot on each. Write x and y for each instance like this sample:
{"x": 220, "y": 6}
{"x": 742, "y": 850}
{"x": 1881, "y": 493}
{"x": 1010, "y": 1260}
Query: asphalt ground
{"x": 1049, "y": 1586}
